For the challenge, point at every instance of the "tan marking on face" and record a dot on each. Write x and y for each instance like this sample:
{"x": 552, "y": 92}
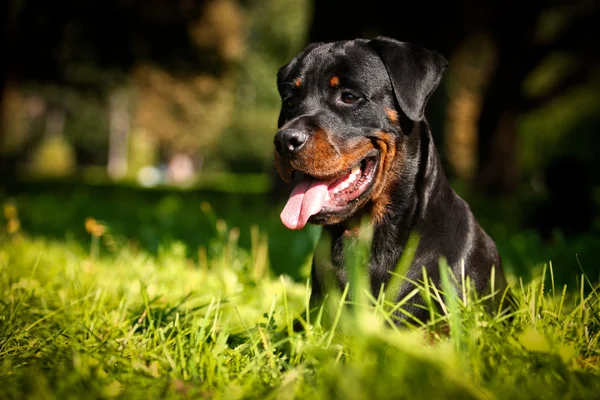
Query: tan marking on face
{"x": 323, "y": 158}
{"x": 392, "y": 115}
{"x": 298, "y": 82}
{"x": 334, "y": 81}
{"x": 283, "y": 168}
{"x": 352, "y": 232}
{"x": 388, "y": 172}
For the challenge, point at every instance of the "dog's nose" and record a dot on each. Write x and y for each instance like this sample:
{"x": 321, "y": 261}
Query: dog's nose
{"x": 289, "y": 141}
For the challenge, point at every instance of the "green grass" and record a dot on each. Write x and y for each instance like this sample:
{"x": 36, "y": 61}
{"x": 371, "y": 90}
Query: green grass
{"x": 80, "y": 321}
{"x": 154, "y": 219}
{"x": 151, "y": 219}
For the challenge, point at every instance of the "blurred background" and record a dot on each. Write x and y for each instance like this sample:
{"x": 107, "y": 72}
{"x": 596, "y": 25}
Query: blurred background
{"x": 156, "y": 118}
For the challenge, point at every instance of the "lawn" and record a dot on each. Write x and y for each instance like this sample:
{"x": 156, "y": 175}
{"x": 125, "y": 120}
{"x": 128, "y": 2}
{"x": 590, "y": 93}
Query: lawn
{"x": 110, "y": 297}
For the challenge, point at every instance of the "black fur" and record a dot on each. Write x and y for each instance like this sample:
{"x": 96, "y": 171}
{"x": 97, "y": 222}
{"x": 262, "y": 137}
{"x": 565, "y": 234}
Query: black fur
{"x": 385, "y": 74}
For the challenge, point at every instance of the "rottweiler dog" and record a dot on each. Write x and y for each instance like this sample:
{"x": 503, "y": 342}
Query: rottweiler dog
{"x": 352, "y": 127}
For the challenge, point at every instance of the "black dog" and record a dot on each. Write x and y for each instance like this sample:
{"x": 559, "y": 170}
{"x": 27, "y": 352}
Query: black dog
{"x": 352, "y": 121}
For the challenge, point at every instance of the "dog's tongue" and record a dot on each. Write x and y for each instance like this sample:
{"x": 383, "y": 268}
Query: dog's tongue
{"x": 306, "y": 199}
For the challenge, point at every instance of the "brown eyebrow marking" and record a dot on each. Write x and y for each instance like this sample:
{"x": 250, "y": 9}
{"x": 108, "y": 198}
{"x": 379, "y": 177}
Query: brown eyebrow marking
{"x": 392, "y": 115}
{"x": 298, "y": 82}
{"x": 334, "y": 81}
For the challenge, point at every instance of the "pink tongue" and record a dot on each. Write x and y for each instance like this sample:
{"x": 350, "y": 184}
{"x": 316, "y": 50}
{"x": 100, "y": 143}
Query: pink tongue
{"x": 306, "y": 199}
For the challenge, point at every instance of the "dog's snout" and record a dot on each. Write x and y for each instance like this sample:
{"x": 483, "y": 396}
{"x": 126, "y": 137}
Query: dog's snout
{"x": 289, "y": 141}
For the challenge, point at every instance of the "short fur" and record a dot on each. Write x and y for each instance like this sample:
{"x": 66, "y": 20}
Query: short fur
{"x": 393, "y": 82}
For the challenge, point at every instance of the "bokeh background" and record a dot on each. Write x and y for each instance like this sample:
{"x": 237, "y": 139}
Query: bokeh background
{"x": 156, "y": 118}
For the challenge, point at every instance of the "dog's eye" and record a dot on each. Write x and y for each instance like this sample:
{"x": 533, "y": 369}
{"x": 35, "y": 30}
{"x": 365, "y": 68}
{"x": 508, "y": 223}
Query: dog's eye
{"x": 290, "y": 102}
{"x": 349, "y": 98}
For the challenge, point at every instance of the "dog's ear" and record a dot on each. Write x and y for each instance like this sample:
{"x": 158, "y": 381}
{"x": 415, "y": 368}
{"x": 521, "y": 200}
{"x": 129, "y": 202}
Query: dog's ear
{"x": 414, "y": 71}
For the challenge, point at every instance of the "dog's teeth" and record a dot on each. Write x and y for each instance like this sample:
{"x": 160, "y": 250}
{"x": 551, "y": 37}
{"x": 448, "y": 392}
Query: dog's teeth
{"x": 351, "y": 178}
{"x": 355, "y": 169}
{"x": 344, "y": 185}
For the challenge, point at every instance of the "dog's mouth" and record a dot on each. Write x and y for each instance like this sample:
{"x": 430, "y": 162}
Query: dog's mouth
{"x": 313, "y": 196}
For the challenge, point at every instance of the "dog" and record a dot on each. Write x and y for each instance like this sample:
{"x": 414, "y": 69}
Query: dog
{"x": 353, "y": 124}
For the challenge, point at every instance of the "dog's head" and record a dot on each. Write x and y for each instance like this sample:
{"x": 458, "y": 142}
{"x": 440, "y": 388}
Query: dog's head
{"x": 343, "y": 108}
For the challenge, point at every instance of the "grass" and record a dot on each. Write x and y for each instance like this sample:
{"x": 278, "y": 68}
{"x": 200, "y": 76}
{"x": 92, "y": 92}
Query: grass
{"x": 78, "y": 322}
{"x": 158, "y": 218}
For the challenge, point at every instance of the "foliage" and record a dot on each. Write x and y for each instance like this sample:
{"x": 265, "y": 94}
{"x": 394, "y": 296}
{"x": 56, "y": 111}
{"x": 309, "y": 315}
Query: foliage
{"x": 246, "y": 144}
{"x": 152, "y": 219}
{"x": 136, "y": 325}
{"x": 54, "y": 158}
{"x": 198, "y": 76}
{"x": 149, "y": 219}
{"x": 565, "y": 127}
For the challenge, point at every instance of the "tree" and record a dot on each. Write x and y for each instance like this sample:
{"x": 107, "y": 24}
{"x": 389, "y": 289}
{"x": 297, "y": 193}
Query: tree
{"x": 522, "y": 36}
{"x": 523, "y": 39}
{"x": 90, "y": 48}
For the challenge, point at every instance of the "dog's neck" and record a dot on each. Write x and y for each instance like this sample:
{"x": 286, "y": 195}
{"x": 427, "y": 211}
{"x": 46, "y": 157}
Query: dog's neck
{"x": 421, "y": 190}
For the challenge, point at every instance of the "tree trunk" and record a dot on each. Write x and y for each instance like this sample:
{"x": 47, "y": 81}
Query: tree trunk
{"x": 513, "y": 28}
{"x": 118, "y": 145}
{"x": 498, "y": 171}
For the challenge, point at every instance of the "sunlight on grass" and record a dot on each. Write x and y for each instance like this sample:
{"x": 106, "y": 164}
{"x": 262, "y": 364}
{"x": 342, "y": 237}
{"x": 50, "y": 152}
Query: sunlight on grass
{"x": 76, "y": 324}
